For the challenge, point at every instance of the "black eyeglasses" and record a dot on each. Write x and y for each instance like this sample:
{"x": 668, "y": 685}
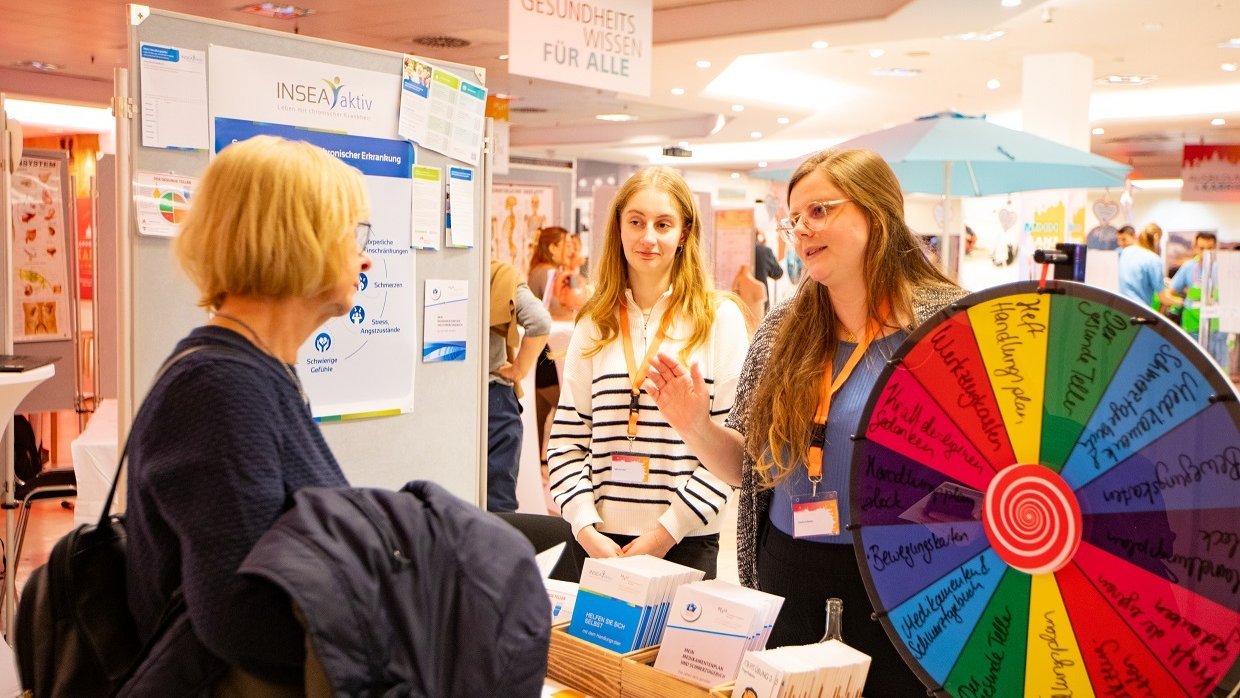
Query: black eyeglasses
{"x": 363, "y": 235}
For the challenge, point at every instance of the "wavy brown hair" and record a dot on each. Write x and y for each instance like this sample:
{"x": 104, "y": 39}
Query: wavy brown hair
{"x": 693, "y": 293}
{"x": 786, "y": 395}
{"x": 547, "y": 237}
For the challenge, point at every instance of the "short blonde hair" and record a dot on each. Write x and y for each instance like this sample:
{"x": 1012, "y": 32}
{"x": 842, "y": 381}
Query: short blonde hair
{"x": 271, "y": 217}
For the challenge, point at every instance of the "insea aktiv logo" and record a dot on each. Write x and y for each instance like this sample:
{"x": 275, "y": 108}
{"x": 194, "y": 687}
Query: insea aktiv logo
{"x": 333, "y": 96}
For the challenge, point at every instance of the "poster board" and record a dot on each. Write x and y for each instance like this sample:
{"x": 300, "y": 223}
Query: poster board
{"x": 44, "y": 304}
{"x": 522, "y": 201}
{"x": 442, "y": 439}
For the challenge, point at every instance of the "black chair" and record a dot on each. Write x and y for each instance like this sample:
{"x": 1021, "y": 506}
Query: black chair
{"x": 546, "y": 532}
{"x": 52, "y": 483}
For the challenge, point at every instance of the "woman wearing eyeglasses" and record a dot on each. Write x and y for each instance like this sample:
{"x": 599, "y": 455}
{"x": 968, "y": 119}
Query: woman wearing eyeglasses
{"x": 275, "y": 241}
{"x": 623, "y": 477}
{"x": 808, "y": 375}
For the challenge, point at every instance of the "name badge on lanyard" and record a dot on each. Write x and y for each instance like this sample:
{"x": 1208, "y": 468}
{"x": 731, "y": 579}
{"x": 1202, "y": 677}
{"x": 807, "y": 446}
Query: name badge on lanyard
{"x": 816, "y": 515}
{"x": 628, "y": 467}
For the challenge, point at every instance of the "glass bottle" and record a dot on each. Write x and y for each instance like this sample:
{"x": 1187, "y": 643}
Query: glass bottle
{"x": 835, "y": 620}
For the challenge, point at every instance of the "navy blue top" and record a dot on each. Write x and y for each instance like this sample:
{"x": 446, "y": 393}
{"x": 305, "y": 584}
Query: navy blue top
{"x": 218, "y": 448}
{"x": 844, "y": 421}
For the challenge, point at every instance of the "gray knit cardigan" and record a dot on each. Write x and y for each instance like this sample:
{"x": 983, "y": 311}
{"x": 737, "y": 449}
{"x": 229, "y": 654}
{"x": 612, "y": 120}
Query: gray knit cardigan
{"x": 753, "y": 503}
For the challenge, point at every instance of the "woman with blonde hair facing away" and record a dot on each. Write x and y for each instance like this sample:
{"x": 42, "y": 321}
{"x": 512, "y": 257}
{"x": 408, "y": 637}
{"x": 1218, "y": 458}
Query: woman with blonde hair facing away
{"x": 274, "y": 242}
{"x": 811, "y": 369}
{"x": 623, "y": 477}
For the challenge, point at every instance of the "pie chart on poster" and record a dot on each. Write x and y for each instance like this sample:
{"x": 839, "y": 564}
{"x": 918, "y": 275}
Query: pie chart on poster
{"x": 1046, "y": 500}
{"x": 172, "y": 206}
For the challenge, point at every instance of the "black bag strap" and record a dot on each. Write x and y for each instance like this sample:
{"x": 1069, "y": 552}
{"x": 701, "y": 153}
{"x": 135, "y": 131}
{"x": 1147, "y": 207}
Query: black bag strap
{"x": 120, "y": 466}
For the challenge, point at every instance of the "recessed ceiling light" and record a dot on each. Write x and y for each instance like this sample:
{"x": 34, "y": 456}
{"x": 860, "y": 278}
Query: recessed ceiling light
{"x": 703, "y": 64}
{"x": 896, "y": 72}
{"x": 503, "y": 56}
{"x": 615, "y": 117}
{"x": 877, "y": 52}
{"x": 275, "y": 9}
{"x": 736, "y": 175}
{"x": 505, "y": 95}
{"x": 678, "y": 91}
{"x": 1229, "y": 67}
{"x": 1098, "y": 131}
{"x": 783, "y": 120}
{"x": 993, "y": 84}
{"x": 975, "y": 36}
{"x": 755, "y": 134}
{"x": 819, "y": 44}
{"x": 1152, "y": 26}
{"x": 1233, "y": 42}
{"x": 40, "y": 65}
{"x": 762, "y": 163}
{"x": 1010, "y": 3}
{"x": 1130, "y": 80}
{"x": 738, "y": 107}
{"x": 1218, "y": 122}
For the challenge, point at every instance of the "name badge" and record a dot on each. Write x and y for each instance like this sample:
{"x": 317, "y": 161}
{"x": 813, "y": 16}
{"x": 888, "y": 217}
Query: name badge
{"x": 626, "y": 467}
{"x": 816, "y": 515}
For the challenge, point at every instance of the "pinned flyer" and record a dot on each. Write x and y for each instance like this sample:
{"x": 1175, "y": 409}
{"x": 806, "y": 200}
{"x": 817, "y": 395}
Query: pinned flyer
{"x": 442, "y": 112}
{"x": 443, "y": 330}
{"x": 162, "y": 201}
{"x": 427, "y": 207}
{"x": 174, "y": 97}
{"x": 460, "y": 216}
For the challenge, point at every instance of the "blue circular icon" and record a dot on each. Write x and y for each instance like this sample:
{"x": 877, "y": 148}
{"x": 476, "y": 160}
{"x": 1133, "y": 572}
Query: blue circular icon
{"x": 323, "y": 342}
{"x": 356, "y": 315}
{"x": 362, "y": 282}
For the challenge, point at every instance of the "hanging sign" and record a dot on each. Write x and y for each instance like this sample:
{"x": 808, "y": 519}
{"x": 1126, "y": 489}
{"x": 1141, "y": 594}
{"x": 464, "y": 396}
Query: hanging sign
{"x": 1211, "y": 173}
{"x": 604, "y": 44}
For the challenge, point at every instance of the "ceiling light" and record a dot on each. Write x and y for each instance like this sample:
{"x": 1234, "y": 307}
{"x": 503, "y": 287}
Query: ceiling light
{"x": 683, "y": 144}
{"x": 1098, "y": 131}
{"x": 1010, "y": 3}
{"x": 877, "y": 53}
{"x": 1233, "y": 42}
{"x": 43, "y": 66}
{"x": 762, "y": 163}
{"x": 1152, "y": 26}
{"x": 1130, "y": 80}
{"x": 738, "y": 107}
{"x": 975, "y": 36}
{"x": 720, "y": 122}
{"x": 783, "y": 120}
{"x": 993, "y": 84}
{"x": 896, "y": 72}
{"x": 678, "y": 91}
{"x": 819, "y": 44}
{"x": 1218, "y": 122}
{"x": 703, "y": 64}
{"x": 52, "y": 115}
{"x": 275, "y": 9}
{"x": 615, "y": 117}
{"x": 755, "y": 134}
{"x": 1158, "y": 183}
{"x": 503, "y": 56}
{"x": 736, "y": 175}
{"x": 1229, "y": 67}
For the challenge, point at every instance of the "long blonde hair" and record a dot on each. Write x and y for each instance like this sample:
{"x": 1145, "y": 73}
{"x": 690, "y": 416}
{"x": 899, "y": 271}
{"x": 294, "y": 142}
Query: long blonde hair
{"x": 786, "y": 395}
{"x": 693, "y": 294}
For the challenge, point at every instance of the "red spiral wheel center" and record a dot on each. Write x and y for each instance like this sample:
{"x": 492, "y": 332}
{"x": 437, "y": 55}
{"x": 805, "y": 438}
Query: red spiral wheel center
{"x": 1032, "y": 518}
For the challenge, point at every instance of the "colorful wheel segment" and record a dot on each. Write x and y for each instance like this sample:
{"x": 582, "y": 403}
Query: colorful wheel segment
{"x": 1046, "y": 500}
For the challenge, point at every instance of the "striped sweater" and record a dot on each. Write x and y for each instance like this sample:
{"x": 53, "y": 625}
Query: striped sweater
{"x": 591, "y": 424}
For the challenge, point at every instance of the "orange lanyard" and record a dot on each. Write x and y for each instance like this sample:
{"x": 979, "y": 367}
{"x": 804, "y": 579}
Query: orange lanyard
{"x": 638, "y": 376}
{"x": 830, "y": 384}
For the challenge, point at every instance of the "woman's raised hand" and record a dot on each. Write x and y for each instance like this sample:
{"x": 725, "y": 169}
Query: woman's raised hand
{"x": 681, "y": 394}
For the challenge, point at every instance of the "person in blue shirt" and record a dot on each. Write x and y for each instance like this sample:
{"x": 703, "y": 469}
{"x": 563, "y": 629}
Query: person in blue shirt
{"x": 1141, "y": 270}
{"x": 1185, "y": 290}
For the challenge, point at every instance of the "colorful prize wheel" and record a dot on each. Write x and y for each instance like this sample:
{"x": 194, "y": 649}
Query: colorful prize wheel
{"x": 1046, "y": 500}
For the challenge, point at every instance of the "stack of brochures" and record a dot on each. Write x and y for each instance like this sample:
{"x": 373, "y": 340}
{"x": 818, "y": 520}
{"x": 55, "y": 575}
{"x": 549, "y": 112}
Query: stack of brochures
{"x": 711, "y": 627}
{"x": 830, "y": 669}
{"x": 563, "y": 596}
{"x": 623, "y": 602}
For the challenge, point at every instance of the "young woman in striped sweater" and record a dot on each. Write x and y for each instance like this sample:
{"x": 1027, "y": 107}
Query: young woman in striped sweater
{"x": 623, "y": 477}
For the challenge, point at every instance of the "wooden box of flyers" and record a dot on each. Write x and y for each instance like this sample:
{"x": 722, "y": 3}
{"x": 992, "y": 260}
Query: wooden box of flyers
{"x": 639, "y": 679}
{"x": 587, "y": 667}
